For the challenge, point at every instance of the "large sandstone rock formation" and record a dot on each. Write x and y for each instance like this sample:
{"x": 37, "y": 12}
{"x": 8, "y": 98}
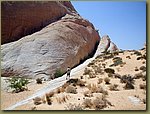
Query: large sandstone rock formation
{"x": 23, "y": 18}
{"x": 106, "y": 45}
{"x": 66, "y": 41}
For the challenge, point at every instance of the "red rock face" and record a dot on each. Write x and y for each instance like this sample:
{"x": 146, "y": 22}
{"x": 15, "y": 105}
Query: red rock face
{"x": 19, "y": 19}
{"x": 65, "y": 41}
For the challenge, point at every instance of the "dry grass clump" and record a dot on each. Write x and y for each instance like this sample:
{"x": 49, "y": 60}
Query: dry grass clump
{"x": 92, "y": 75}
{"x": 100, "y": 103}
{"x": 48, "y": 98}
{"x": 100, "y": 80}
{"x": 86, "y": 71}
{"x": 143, "y": 68}
{"x": 37, "y": 101}
{"x": 62, "y": 99}
{"x": 74, "y": 107}
{"x": 142, "y": 86}
{"x": 107, "y": 80}
{"x": 88, "y": 94}
{"x": 109, "y": 70}
{"x": 71, "y": 89}
{"x": 87, "y": 103}
{"x": 97, "y": 89}
{"x": 98, "y": 70}
{"x": 113, "y": 87}
{"x": 59, "y": 90}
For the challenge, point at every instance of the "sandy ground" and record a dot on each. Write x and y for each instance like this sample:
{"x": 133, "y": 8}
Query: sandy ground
{"x": 122, "y": 99}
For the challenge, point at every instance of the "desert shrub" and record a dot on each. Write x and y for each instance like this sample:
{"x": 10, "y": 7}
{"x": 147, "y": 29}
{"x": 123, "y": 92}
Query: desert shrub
{"x": 100, "y": 80}
{"x": 18, "y": 84}
{"x": 73, "y": 107}
{"x": 109, "y": 70}
{"x": 86, "y": 71}
{"x": 87, "y": 103}
{"x": 117, "y": 61}
{"x": 98, "y": 70}
{"x": 76, "y": 82}
{"x": 71, "y": 89}
{"x": 107, "y": 80}
{"x": 136, "y": 69}
{"x": 48, "y": 99}
{"x": 39, "y": 80}
{"x": 81, "y": 77}
{"x": 138, "y": 75}
{"x": 58, "y": 73}
{"x": 129, "y": 85}
{"x": 99, "y": 103}
{"x": 128, "y": 57}
{"x": 116, "y": 75}
{"x": 143, "y": 62}
{"x": 37, "y": 100}
{"x": 90, "y": 64}
{"x": 121, "y": 51}
{"x": 139, "y": 58}
{"x": 115, "y": 53}
{"x": 113, "y": 87}
{"x": 96, "y": 89}
{"x": 143, "y": 86}
{"x": 110, "y": 75}
{"x": 127, "y": 78}
{"x": 143, "y": 68}
{"x": 92, "y": 75}
{"x": 108, "y": 56}
{"x": 137, "y": 53}
{"x": 144, "y": 56}
{"x": 88, "y": 94}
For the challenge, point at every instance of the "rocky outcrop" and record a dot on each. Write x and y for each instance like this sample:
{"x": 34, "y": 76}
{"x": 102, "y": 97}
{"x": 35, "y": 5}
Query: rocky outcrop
{"x": 60, "y": 44}
{"x": 106, "y": 45}
{"x": 22, "y": 18}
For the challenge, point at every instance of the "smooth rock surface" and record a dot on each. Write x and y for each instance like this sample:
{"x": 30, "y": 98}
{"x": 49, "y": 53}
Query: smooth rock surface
{"x": 60, "y": 44}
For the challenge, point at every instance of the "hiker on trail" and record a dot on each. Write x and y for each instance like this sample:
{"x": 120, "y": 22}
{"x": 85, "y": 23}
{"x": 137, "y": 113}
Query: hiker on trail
{"x": 68, "y": 73}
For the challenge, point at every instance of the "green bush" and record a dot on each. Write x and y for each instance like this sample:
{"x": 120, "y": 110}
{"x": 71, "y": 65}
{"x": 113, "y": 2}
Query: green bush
{"x": 58, "y": 73}
{"x": 18, "y": 84}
